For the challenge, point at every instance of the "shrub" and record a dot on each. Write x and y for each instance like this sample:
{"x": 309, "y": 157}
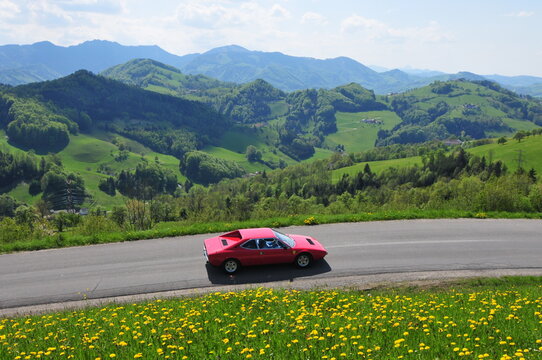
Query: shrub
{"x": 11, "y": 231}
{"x": 311, "y": 221}
{"x": 93, "y": 225}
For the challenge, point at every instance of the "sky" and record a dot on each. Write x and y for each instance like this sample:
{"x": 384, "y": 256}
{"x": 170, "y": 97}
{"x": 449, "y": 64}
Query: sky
{"x": 481, "y": 36}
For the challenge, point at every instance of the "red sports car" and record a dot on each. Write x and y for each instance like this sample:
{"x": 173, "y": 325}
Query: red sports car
{"x": 261, "y": 246}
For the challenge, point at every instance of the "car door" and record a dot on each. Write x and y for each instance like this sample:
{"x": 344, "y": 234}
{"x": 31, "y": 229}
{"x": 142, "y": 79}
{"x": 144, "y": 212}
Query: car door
{"x": 248, "y": 253}
{"x": 271, "y": 251}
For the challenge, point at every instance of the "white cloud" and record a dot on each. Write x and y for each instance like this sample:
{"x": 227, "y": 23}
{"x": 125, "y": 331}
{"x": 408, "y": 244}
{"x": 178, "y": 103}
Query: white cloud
{"x": 356, "y": 23}
{"x": 204, "y": 15}
{"x": 8, "y": 9}
{"x": 279, "y": 12}
{"x": 92, "y": 6}
{"x": 313, "y": 18}
{"x": 221, "y": 14}
{"x": 374, "y": 29}
{"x": 521, "y": 14}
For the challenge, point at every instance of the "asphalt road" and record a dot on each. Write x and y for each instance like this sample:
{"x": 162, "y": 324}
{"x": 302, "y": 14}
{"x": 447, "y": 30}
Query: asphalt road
{"x": 145, "y": 266}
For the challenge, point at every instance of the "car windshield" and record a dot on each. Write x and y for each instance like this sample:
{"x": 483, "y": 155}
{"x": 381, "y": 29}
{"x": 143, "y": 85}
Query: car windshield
{"x": 285, "y": 238}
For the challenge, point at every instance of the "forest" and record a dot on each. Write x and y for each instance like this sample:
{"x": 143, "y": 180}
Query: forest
{"x": 207, "y": 186}
{"x": 447, "y": 180}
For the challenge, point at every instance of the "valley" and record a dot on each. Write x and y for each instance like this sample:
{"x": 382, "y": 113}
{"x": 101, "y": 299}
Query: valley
{"x": 229, "y": 179}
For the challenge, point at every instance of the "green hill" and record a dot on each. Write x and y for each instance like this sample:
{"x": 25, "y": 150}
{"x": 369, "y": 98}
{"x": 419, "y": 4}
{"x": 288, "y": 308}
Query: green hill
{"x": 376, "y": 166}
{"x": 155, "y": 76}
{"x": 512, "y": 153}
{"x": 103, "y": 129}
{"x": 475, "y": 109}
{"x": 83, "y": 102}
{"x": 92, "y": 157}
{"x": 359, "y": 131}
{"x": 296, "y": 123}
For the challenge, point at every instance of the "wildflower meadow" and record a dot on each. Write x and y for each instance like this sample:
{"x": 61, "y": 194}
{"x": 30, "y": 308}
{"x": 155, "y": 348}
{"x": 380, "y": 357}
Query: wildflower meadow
{"x": 491, "y": 324}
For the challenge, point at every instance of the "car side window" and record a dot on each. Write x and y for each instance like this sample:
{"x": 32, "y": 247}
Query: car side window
{"x": 270, "y": 243}
{"x": 251, "y": 245}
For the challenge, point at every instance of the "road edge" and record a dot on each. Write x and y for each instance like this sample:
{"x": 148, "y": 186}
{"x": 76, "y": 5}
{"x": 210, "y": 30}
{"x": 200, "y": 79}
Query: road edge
{"x": 354, "y": 282}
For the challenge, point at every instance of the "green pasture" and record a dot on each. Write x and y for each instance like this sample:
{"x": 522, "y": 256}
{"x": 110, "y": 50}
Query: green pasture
{"x": 356, "y": 135}
{"x": 84, "y": 155}
{"x": 376, "y": 166}
{"x": 529, "y": 149}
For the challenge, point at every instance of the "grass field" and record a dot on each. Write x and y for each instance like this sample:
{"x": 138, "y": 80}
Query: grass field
{"x": 530, "y": 149}
{"x": 278, "y": 108}
{"x": 238, "y": 138}
{"x": 484, "y": 319}
{"x": 241, "y": 159}
{"x": 356, "y": 135}
{"x": 376, "y": 166}
{"x": 85, "y": 153}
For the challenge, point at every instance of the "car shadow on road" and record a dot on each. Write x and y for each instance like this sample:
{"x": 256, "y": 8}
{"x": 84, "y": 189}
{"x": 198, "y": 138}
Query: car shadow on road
{"x": 265, "y": 273}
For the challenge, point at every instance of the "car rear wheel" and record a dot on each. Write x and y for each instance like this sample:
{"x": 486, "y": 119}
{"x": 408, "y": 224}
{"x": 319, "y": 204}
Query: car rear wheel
{"x": 231, "y": 266}
{"x": 303, "y": 260}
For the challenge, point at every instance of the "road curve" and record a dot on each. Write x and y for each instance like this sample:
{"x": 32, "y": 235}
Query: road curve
{"x": 145, "y": 266}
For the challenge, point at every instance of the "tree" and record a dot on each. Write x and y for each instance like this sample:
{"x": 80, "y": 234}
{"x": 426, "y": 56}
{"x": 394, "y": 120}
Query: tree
{"x": 502, "y": 140}
{"x": 61, "y": 221}
{"x": 119, "y": 215}
{"x": 42, "y": 207}
{"x": 8, "y": 205}
{"x": 63, "y": 191}
{"x": 206, "y": 169}
{"x": 253, "y": 154}
{"x": 532, "y": 175}
{"x": 148, "y": 180}
{"x": 108, "y": 186}
{"x": 520, "y": 135}
{"x": 25, "y": 215}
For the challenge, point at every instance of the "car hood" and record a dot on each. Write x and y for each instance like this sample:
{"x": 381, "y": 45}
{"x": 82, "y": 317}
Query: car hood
{"x": 306, "y": 242}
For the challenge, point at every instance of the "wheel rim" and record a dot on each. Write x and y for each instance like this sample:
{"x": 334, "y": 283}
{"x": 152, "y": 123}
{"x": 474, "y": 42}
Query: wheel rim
{"x": 303, "y": 260}
{"x": 230, "y": 266}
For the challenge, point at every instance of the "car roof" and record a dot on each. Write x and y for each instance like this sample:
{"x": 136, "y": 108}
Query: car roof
{"x": 255, "y": 233}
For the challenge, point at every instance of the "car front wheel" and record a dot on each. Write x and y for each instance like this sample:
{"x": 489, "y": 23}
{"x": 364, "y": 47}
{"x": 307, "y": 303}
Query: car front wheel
{"x": 231, "y": 266}
{"x": 303, "y": 260}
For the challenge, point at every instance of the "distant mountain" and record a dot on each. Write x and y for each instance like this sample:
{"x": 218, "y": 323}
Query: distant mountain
{"x": 527, "y": 85}
{"x": 237, "y": 64}
{"x": 422, "y": 72}
{"x": 46, "y": 61}
{"x": 20, "y": 64}
{"x": 27, "y": 74}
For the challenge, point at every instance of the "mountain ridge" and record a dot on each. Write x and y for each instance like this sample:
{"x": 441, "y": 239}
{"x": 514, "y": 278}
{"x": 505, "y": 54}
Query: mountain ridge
{"x": 20, "y": 64}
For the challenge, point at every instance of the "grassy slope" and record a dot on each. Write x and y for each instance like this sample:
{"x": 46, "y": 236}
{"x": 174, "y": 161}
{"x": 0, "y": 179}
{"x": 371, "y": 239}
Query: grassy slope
{"x": 239, "y": 158}
{"x": 469, "y": 93}
{"x": 471, "y": 319}
{"x": 85, "y": 153}
{"x": 531, "y": 148}
{"x": 357, "y": 136}
{"x": 376, "y": 166}
{"x": 233, "y": 145}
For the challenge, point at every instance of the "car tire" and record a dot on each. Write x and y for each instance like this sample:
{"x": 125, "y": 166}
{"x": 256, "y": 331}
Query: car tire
{"x": 231, "y": 266}
{"x": 303, "y": 260}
